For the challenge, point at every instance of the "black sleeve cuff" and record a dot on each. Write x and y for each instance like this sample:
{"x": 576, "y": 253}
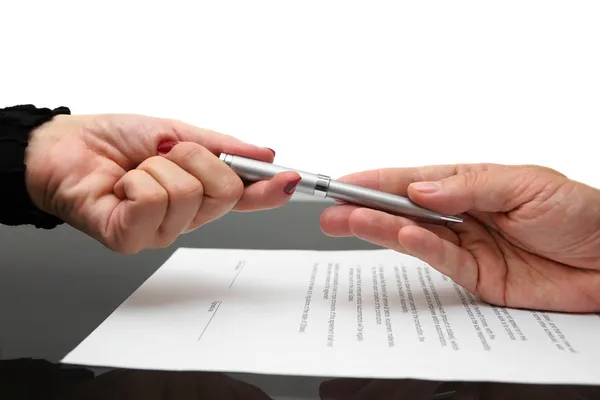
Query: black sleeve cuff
{"x": 16, "y": 207}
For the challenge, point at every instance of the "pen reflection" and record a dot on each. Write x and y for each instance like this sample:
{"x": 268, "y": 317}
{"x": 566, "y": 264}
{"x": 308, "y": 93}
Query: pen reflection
{"x": 157, "y": 385}
{"x": 363, "y": 389}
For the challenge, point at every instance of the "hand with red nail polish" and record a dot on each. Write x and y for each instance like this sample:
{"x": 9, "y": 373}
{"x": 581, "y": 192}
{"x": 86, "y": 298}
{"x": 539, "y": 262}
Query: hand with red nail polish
{"x": 135, "y": 182}
{"x": 530, "y": 237}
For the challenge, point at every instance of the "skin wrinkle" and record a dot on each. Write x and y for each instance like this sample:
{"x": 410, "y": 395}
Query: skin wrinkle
{"x": 517, "y": 254}
{"x": 512, "y": 217}
{"x": 46, "y": 202}
{"x": 587, "y": 239}
{"x": 593, "y": 298}
{"x": 161, "y": 239}
{"x": 105, "y": 229}
{"x": 445, "y": 253}
{"x": 520, "y": 193}
{"x": 500, "y": 250}
{"x": 461, "y": 169}
{"x": 548, "y": 198}
{"x": 101, "y": 146}
{"x": 61, "y": 209}
{"x": 70, "y": 205}
{"x": 379, "y": 180}
{"x": 505, "y": 256}
{"x": 514, "y": 241}
{"x": 471, "y": 180}
{"x": 76, "y": 201}
{"x": 416, "y": 177}
{"x": 593, "y": 261}
{"x": 98, "y": 126}
{"x": 539, "y": 271}
{"x": 577, "y": 243}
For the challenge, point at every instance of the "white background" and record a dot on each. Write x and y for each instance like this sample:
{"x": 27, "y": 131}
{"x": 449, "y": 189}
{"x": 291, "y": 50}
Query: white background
{"x": 333, "y": 86}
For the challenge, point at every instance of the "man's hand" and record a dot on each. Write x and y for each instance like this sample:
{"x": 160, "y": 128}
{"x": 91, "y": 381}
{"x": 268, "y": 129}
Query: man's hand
{"x": 135, "y": 182}
{"x": 531, "y": 236}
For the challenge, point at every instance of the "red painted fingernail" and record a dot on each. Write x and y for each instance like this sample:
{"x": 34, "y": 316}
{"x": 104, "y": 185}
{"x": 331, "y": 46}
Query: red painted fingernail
{"x": 272, "y": 151}
{"x": 290, "y": 187}
{"x": 166, "y": 146}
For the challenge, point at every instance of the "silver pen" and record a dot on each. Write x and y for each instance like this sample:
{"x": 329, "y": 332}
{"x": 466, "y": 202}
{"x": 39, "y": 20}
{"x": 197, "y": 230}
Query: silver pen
{"x": 325, "y": 187}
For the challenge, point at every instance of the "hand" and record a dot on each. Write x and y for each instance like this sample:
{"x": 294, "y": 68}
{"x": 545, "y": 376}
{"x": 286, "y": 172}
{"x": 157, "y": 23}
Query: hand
{"x": 531, "y": 236}
{"x": 135, "y": 182}
{"x": 158, "y": 385}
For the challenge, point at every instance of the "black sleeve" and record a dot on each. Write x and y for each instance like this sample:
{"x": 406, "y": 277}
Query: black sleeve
{"x": 16, "y": 207}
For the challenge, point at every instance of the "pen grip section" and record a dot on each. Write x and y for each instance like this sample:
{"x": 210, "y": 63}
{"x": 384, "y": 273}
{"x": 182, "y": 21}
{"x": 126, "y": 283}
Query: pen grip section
{"x": 254, "y": 171}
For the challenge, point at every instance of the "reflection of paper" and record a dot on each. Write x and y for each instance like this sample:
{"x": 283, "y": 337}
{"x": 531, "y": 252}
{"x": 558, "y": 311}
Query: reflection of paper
{"x": 373, "y": 313}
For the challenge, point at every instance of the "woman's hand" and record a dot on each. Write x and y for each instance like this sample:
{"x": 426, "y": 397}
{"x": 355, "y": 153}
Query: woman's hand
{"x": 531, "y": 236}
{"x": 135, "y": 182}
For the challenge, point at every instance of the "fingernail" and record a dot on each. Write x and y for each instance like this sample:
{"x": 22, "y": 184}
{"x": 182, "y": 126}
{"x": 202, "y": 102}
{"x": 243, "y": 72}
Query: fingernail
{"x": 272, "y": 151}
{"x": 426, "y": 187}
{"x": 166, "y": 146}
{"x": 290, "y": 187}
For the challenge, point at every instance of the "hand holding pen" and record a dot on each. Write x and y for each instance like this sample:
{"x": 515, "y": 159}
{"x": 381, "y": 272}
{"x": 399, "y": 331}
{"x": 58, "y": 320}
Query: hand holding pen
{"x": 323, "y": 186}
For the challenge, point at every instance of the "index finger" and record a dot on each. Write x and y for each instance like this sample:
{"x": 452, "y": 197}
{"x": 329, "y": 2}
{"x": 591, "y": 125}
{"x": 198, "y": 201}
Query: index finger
{"x": 397, "y": 180}
{"x": 218, "y": 143}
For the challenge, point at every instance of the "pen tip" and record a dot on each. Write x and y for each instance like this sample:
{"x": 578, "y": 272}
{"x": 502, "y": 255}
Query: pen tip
{"x": 450, "y": 218}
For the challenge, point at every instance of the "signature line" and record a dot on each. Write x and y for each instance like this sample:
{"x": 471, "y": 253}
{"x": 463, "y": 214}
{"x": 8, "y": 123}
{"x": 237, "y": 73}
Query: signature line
{"x": 211, "y": 318}
{"x": 236, "y": 275}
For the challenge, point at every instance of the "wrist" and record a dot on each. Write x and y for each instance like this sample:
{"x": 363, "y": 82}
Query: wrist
{"x": 38, "y": 172}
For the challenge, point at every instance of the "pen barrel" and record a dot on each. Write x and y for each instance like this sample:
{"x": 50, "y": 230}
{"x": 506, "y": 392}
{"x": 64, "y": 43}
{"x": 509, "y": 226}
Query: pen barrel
{"x": 390, "y": 203}
{"x": 254, "y": 171}
{"x": 323, "y": 186}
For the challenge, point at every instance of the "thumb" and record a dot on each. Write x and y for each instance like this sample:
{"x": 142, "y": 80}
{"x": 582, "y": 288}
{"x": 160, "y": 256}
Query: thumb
{"x": 488, "y": 191}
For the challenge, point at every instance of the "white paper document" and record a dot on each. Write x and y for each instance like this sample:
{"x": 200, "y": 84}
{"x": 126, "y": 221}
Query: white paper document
{"x": 373, "y": 313}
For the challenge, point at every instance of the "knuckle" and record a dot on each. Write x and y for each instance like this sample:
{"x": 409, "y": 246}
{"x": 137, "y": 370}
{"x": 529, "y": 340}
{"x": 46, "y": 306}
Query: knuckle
{"x": 485, "y": 167}
{"x": 197, "y": 222}
{"x": 474, "y": 179}
{"x": 125, "y": 247}
{"x": 228, "y": 187}
{"x": 476, "y": 167}
{"x": 163, "y": 240}
{"x": 530, "y": 174}
{"x": 540, "y": 182}
{"x": 191, "y": 151}
{"x": 163, "y": 243}
{"x": 184, "y": 191}
{"x": 150, "y": 163}
{"x": 534, "y": 179}
{"x": 154, "y": 196}
{"x": 128, "y": 250}
{"x": 540, "y": 169}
